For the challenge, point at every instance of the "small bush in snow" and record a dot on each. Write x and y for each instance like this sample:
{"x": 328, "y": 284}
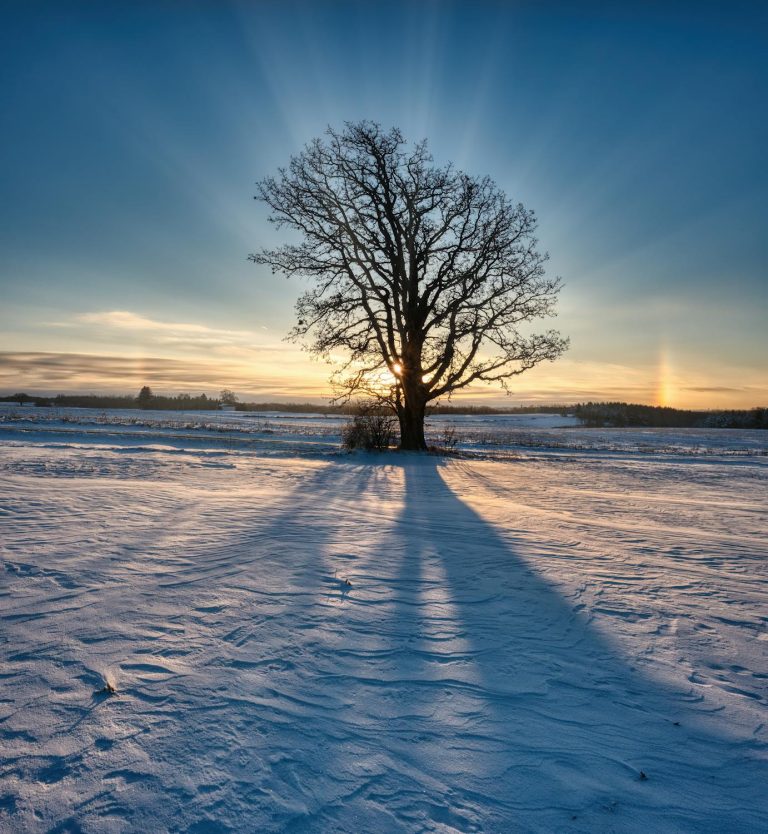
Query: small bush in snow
{"x": 369, "y": 429}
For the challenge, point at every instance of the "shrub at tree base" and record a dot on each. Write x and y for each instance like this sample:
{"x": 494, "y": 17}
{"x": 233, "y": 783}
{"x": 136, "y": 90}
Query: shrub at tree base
{"x": 372, "y": 432}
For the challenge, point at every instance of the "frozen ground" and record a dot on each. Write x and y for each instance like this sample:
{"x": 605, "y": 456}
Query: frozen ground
{"x": 521, "y": 642}
{"x": 277, "y": 433}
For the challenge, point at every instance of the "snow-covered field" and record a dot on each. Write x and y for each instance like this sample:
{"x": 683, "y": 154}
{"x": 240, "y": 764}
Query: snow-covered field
{"x": 278, "y": 433}
{"x": 567, "y": 634}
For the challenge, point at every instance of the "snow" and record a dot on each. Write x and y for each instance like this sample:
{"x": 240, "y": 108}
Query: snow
{"x": 275, "y": 432}
{"x": 524, "y": 635}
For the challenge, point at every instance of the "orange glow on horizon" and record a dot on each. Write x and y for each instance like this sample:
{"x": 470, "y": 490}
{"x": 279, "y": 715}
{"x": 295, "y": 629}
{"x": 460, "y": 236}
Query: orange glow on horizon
{"x": 665, "y": 387}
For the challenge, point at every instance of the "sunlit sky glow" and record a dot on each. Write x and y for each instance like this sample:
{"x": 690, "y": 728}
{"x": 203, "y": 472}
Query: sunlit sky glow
{"x": 134, "y": 132}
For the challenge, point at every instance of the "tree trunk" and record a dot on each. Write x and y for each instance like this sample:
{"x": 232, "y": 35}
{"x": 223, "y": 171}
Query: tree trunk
{"x": 411, "y": 417}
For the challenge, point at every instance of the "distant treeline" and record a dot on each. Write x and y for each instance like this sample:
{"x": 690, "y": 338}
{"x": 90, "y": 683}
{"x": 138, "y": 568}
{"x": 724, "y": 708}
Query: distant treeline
{"x": 353, "y": 408}
{"x": 181, "y": 402}
{"x": 628, "y": 414}
{"x": 561, "y": 409}
{"x": 186, "y": 402}
{"x": 591, "y": 414}
{"x": 293, "y": 408}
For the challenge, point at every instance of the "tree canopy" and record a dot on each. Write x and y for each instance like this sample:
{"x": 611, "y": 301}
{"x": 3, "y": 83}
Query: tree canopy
{"x": 424, "y": 277}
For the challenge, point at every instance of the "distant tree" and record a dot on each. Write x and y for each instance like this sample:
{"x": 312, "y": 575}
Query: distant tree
{"x": 228, "y": 397}
{"x": 21, "y": 398}
{"x": 145, "y": 397}
{"x": 425, "y": 278}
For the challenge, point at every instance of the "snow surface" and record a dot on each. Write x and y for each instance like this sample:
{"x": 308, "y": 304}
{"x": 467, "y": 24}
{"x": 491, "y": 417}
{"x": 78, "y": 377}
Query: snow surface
{"x": 521, "y": 642}
{"x": 275, "y": 432}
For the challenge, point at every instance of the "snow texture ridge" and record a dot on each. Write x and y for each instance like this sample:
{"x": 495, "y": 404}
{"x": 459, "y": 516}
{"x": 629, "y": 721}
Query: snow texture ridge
{"x": 389, "y": 643}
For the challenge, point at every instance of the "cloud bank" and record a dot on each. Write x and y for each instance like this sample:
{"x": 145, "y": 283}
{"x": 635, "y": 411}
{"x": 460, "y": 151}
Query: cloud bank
{"x": 52, "y": 373}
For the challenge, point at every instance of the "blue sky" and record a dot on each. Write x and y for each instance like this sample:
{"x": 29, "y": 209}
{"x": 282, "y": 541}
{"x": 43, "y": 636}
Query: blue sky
{"x": 134, "y": 133}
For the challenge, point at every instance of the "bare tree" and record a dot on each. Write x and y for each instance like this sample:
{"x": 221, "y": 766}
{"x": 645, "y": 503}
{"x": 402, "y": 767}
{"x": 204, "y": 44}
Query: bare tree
{"x": 423, "y": 276}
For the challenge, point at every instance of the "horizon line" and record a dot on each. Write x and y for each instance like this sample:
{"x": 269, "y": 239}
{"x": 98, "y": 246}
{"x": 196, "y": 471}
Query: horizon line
{"x": 4, "y": 398}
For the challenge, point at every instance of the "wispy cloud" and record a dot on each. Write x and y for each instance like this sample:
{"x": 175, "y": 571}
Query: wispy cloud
{"x": 133, "y": 321}
{"x": 167, "y": 332}
{"x": 50, "y": 373}
{"x": 720, "y": 389}
{"x": 127, "y": 327}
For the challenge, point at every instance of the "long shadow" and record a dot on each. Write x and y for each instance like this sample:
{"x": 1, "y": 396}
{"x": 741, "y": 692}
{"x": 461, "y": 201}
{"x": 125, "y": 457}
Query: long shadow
{"x": 449, "y": 687}
{"x": 543, "y": 723}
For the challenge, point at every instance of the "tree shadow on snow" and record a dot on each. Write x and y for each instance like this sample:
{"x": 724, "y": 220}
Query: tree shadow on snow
{"x": 496, "y": 706}
{"x": 448, "y": 687}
